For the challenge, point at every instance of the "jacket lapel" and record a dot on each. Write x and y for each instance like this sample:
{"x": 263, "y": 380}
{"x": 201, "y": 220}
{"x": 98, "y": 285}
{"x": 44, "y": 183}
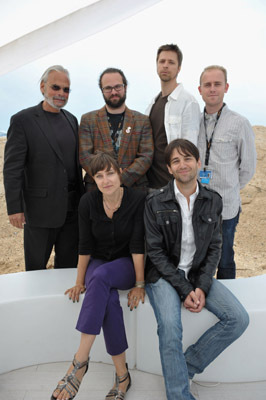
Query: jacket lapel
{"x": 128, "y": 128}
{"x": 72, "y": 123}
{"x": 104, "y": 130}
{"x": 47, "y": 130}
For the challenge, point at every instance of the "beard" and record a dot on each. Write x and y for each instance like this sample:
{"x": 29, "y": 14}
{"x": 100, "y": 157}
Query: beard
{"x": 50, "y": 101}
{"x": 115, "y": 103}
{"x": 189, "y": 177}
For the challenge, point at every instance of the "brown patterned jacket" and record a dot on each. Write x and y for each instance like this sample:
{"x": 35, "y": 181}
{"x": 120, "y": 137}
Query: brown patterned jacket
{"x": 136, "y": 147}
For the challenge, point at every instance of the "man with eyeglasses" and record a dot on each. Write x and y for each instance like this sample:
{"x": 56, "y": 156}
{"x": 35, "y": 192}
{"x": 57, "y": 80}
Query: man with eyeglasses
{"x": 42, "y": 175}
{"x": 125, "y": 133}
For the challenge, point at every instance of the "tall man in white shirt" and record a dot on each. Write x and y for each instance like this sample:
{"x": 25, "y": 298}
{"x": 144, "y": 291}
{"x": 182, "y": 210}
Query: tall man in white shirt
{"x": 228, "y": 154}
{"x": 183, "y": 236}
{"x": 174, "y": 113}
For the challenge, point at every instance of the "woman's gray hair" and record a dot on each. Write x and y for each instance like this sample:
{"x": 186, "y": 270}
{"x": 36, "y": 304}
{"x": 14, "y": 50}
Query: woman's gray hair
{"x": 57, "y": 68}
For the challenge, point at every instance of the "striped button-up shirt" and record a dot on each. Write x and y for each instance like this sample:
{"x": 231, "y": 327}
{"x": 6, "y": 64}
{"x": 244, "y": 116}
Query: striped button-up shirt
{"x": 232, "y": 156}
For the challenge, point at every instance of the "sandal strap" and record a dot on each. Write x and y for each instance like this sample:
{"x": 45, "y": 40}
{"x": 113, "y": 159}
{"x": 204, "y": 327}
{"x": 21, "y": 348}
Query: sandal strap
{"x": 70, "y": 382}
{"x": 111, "y": 394}
{"x": 78, "y": 365}
{"x": 122, "y": 378}
{"x": 120, "y": 395}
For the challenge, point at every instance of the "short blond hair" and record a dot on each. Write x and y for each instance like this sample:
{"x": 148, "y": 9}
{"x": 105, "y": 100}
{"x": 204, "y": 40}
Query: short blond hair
{"x": 211, "y": 67}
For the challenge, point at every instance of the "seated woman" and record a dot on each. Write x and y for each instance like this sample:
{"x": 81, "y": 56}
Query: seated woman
{"x": 111, "y": 258}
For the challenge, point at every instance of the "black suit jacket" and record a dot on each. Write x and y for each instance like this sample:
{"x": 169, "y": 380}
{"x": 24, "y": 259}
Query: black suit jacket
{"x": 35, "y": 177}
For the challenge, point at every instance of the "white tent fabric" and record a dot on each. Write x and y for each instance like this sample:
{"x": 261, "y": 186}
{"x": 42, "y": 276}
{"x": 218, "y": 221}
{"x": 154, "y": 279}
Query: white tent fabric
{"x": 80, "y": 24}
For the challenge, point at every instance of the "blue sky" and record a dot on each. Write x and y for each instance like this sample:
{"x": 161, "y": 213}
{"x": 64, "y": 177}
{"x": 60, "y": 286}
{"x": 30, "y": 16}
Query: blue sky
{"x": 229, "y": 33}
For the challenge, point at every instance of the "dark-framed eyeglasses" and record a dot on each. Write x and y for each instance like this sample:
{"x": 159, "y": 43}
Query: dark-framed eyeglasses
{"x": 56, "y": 88}
{"x": 117, "y": 88}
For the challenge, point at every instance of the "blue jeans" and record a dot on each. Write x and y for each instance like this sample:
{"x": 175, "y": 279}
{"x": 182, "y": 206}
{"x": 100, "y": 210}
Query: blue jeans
{"x": 227, "y": 266}
{"x": 178, "y": 367}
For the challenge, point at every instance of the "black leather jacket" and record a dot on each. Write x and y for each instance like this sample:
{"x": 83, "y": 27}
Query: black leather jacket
{"x": 163, "y": 224}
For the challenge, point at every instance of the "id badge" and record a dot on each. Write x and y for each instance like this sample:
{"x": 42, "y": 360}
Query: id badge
{"x": 205, "y": 176}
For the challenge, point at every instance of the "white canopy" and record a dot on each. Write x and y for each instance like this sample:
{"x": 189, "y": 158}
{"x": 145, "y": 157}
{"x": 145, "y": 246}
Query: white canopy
{"x": 68, "y": 30}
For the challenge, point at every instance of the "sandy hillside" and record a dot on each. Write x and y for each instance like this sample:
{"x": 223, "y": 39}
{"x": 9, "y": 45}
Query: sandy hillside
{"x": 250, "y": 243}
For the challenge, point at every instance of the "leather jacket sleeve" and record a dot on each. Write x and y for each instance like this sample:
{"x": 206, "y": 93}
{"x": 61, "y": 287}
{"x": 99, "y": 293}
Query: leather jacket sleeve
{"x": 209, "y": 259}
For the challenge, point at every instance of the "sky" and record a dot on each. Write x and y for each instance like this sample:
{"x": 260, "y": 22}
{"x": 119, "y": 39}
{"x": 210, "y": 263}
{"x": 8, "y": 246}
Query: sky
{"x": 228, "y": 33}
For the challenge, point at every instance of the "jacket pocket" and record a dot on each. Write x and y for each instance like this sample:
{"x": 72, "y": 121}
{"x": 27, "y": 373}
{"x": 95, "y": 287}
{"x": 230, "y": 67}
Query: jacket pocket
{"x": 167, "y": 217}
{"x": 209, "y": 218}
{"x": 224, "y": 149}
{"x": 174, "y": 120}
{"x": 207, "y": 225}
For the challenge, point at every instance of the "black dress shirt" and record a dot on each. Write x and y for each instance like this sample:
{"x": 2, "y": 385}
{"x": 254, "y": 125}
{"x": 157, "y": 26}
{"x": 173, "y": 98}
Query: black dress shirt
{"x": 106, "y": 238}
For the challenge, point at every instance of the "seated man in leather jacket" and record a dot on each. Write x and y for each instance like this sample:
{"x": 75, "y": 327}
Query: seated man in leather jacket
{"x": 183, "y": 234}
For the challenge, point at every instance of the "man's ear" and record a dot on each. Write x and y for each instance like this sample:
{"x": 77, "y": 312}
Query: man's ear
{"x": 199, "y": 163}
{"x": 169, "y": 169}
{"x": 226, "y": 88}
{"x": 199, "y": 89}
{"x": 42, "y": 87}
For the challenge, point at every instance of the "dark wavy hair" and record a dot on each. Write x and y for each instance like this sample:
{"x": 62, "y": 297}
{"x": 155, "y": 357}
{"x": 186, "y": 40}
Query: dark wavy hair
{"x": 112, "y": 71}
{"x": 183, "y": 146}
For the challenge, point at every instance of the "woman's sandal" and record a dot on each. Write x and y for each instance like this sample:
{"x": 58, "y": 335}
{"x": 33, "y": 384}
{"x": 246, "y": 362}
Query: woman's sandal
{"x": 70, "y": 381}
{"x": 115, "y": 394}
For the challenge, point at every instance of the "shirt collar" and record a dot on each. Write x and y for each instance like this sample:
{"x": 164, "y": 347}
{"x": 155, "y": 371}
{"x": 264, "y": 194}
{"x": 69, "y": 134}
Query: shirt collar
{"x": 176, "y": 92}
{"x": 178, "y": 194}
{"x": 210, "y": 117}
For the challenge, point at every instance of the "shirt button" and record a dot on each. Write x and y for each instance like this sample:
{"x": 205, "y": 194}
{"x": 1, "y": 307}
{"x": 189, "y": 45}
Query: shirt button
{"x": 209, "y": 220}
{"x": 167, "y": 222}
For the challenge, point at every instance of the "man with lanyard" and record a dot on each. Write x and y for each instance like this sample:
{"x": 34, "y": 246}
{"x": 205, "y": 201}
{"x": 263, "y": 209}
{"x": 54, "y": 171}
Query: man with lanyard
{"x": 174, "y": 113}
{"x": 227, "y": 149}
{"x": 125, "y": 133}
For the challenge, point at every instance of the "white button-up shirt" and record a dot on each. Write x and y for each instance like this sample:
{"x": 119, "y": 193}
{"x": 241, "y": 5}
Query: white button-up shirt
{"x": 181, "y": 116}
{"x": 188, "y": 246}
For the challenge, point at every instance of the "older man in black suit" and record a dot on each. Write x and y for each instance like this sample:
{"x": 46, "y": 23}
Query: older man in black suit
{"x": 42, "y": 176}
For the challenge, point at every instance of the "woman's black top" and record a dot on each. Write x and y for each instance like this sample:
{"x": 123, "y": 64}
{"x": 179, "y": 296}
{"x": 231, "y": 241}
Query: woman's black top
{"x": 106, "y": 238}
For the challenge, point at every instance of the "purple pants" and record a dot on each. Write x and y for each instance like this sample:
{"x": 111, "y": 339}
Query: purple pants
{"x": 101, "y": 306}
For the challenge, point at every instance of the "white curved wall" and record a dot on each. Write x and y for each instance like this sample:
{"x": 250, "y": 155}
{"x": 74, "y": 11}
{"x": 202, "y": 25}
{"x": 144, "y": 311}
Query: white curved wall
{"x": 37, "y": 326}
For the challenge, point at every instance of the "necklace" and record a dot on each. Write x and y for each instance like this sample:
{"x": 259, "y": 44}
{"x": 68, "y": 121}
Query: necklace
{"x": 118, "y": 204}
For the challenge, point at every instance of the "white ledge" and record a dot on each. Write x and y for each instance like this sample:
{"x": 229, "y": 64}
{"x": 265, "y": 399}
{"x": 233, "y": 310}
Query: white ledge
{"x": 38, "y": 326}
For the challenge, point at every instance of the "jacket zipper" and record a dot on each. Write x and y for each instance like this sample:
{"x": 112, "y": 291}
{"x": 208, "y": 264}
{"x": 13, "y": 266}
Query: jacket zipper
{"x": 166, "y": 211}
